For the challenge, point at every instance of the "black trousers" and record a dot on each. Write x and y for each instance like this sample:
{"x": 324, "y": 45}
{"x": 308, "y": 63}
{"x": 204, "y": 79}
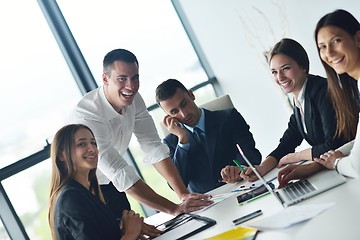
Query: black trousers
{"x": 117, "y": 201}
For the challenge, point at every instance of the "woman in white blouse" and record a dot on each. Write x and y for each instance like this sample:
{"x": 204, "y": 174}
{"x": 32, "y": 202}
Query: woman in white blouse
{"x": 337, "y": 36}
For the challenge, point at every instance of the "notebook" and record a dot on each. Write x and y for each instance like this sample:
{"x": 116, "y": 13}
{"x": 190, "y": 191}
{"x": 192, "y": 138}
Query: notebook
{"x": 302, "y": 189}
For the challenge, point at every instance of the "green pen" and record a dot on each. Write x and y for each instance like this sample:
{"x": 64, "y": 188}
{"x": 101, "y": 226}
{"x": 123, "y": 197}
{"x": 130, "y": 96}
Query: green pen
{"x": 239, "y": 165}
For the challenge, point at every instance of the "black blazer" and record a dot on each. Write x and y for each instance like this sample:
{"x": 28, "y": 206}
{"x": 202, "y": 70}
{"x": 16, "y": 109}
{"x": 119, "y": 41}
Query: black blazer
{"x": 320, "y": 121}
{"x": 223, "y": 129}
{"x": 80, "y": 215}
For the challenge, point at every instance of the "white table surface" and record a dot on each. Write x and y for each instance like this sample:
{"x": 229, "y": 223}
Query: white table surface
{"x": 338, "y": 222}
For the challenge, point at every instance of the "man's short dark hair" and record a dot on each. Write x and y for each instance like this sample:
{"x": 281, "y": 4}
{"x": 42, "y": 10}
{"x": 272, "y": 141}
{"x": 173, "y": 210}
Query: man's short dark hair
{"x": 118, "y": 55}
{"x": 167, "y": 89}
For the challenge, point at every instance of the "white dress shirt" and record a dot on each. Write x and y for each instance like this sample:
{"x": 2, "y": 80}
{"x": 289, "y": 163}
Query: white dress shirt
{"x": 350, "y": 165}
{"x": 301, "y": 102}
{"x": 113, "y": 132}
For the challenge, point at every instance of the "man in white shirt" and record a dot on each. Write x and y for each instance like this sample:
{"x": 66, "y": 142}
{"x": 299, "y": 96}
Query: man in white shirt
{"x": 114, "y": 111}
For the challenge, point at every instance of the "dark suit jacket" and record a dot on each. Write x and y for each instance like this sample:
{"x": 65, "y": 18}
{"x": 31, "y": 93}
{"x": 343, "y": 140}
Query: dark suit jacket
{"x": 80, "y": 215}
{"x": 223, "y": 129}
{"x": 320, "y": 121}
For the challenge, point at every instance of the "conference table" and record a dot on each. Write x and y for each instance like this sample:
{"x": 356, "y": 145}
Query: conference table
{"x": 340, "y": 221}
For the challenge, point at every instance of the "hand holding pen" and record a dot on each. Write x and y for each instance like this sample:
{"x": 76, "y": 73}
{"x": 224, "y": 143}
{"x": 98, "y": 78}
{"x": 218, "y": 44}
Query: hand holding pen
{"x": 249, "y": 175}
{"x": 239, "y": 166}
{"x": 246, "y": 172}
{"x": 231, "y": 174}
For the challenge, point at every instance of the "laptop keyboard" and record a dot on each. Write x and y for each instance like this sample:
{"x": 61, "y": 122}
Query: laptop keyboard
{"x": 298, "y": 189}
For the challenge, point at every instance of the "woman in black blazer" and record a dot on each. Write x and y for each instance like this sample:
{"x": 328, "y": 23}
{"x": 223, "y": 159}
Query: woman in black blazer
{"x": 77, "y": 209}
{"x": 313, "y": 119}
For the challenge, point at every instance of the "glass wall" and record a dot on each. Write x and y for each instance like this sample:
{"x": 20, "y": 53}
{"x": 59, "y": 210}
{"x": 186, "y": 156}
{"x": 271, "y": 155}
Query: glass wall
{"x": 38, "y": 92}
{"x": 28, "y": 192}
{"x": 37, "y": 87}
{"x": 155, "y": 36}
{"x": 3, "y": 233}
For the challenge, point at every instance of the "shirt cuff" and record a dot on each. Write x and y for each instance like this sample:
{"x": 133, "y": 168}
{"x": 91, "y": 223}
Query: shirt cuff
{"x": 185, "y": 146}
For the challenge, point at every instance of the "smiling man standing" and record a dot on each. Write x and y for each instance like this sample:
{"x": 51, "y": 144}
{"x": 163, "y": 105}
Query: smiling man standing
{"x": 114, "y": 112}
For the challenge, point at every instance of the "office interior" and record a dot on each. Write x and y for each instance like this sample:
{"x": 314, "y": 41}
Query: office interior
{"x": 52, "y": 51}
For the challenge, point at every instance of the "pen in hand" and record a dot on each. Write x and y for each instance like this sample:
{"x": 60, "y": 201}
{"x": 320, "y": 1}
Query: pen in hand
{"x": 239, "y": 166}
{"x": 227, "y": 173}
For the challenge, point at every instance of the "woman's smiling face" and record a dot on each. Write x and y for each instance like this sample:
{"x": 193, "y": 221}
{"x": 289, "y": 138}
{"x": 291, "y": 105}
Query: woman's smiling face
{"x": 85, "y": 150}
{"x": 340, "y": 50}
{"x": 287, "y": 73}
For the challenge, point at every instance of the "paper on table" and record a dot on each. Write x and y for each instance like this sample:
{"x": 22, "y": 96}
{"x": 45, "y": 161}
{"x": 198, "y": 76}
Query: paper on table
{"x": 290, "y": 216}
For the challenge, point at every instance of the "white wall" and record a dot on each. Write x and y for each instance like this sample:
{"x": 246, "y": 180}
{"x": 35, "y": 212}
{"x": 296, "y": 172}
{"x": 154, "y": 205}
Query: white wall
{"x": 233, "y": 35}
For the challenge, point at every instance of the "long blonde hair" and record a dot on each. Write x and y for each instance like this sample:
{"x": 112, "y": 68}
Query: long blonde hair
{"x": 64, "y": 169}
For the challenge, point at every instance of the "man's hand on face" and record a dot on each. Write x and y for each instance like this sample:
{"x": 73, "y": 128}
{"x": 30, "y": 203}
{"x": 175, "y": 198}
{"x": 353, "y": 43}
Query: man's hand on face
{"x": 174, "y": 127}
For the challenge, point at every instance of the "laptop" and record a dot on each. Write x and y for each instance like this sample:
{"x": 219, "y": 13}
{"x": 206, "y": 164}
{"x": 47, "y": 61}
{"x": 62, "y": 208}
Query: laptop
{"x": 302, "y": 189}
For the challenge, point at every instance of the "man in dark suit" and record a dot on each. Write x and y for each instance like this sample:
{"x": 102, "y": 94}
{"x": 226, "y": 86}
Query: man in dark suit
{"x": 202, "y": 142}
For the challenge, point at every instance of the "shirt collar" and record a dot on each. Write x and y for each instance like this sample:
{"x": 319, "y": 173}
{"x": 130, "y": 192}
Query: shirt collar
{"x": 200, "y": 124}
{"x": 109, "y": 111}
{"x": 301, "y": 96}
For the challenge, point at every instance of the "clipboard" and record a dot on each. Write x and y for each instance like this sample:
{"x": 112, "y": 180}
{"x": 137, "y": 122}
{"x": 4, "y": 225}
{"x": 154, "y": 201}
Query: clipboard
{"x": 183, "y": 226}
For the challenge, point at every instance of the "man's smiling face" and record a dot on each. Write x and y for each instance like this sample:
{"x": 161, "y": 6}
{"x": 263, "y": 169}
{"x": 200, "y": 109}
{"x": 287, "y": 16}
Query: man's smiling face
{"x": 121, "y": 84}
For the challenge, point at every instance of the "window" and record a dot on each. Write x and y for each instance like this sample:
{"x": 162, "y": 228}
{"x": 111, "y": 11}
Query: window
{"x": 3, "y": 233}
{"x": 38, "y": 91}
{"x": 37, "y": 87}
{"x": 28, "y": 192}
{"x": 156, "y": 37}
